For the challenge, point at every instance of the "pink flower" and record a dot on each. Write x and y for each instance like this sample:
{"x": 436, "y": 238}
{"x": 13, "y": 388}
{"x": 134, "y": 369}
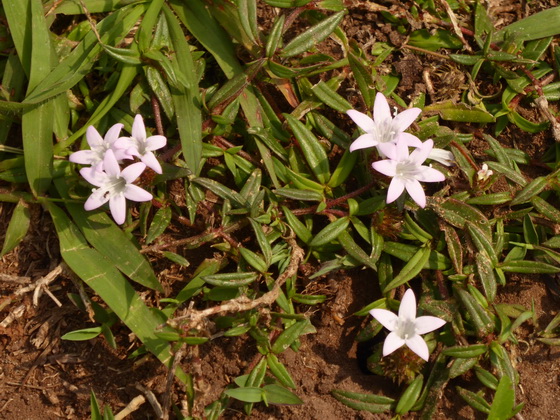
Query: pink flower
{"x": 405, "y": 328}
{"x": 383, "y": 130}
{"x": 407, "y": 171}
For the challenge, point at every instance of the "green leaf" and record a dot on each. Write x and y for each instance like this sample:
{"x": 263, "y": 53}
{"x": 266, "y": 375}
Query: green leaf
{"x": 482, "y": 241}
{"x": 330, "y": 232}
{"x": 546, "y": 209}
{"x": 529, "y": 267}
{"x": 532, "y": 189}
{"x": 480, "y": 318}
{"x": 94, "y": 406}
{"x": 460, "y": 112}
{"x": 312, "y": 36}
{"x": 410, "y": 270}
{"x": 280, "y": 371}
{"x": 230, "y": 280}
{"x": 329, "y": 97}
{"x": 17, "y": 228}
{"x": 83, "y": 334}
{"x": 473, "y": 350}
{"x": 246, "y": 394}
{"x": 275, "y": 394}
{"x": 366, "y": 402}
{"x": 485, "y": 270}
{"x": 289, "y": 335}
{"x": 298, "y": 227}
{"x": 161, "y": 220}
{"x": 539, "y": 25}
{"x": 431, "y": 41}
{"x": 410, "y": 395}
{"x": 221, "y": 190}
{"x": 474, "y": 400}
{"x": 303, "y": 195}
{"x": 313, "y": 151}
{"x": 275, "y": 36}
{"x": 355, "y": 251}
{"x": 504, "y": 400}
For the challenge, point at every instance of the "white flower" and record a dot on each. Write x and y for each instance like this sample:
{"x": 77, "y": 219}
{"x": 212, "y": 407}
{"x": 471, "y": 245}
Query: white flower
{"x": 383, "y": 130}
{"x": 406, "y": 328}
{"x": 114, "y": 186}
{"x": 142, "y": 146}
{"x": 98, "y": 146}
{"x": 407, "y": 171}
{"x": 442, "y": 156}
{"x": 484, "y": 173}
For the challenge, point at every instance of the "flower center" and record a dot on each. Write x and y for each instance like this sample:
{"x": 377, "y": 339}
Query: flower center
{"x": 406, "y": 328}
{"x": 384, "y": 131}
{"x": 116, "y": 185}
{"x": 406, "y": 169}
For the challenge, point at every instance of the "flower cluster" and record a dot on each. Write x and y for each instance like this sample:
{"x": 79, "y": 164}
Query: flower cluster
{"x": 386, "y": 133}
{"x": 114, "y": 185}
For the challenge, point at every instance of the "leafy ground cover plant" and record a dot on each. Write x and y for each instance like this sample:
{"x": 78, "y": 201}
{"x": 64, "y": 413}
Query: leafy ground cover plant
{"x": 258, "y": 165}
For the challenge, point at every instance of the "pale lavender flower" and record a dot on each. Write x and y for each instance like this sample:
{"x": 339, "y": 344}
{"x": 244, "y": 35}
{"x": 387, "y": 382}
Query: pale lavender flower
{"x": 445, "y": 157}
{"x": 114, "y": 186}
{"x": 142, "y": 146}
{"x": 484, "y": 173}
{"x": 407, "y": 171}
{"x": 98, "y": 146}
{"x": 406, "y": 328}
{"x": 383, "y": 131}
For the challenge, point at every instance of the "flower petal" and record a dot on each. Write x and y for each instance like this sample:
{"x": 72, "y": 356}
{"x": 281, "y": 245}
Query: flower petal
{"x": 151, "y": 162}
{"x": 403, "y": 119}
{"x": 93, "y": 137}
{"x": 131, "y": 172}
{"x": 387, "y": 149}
{"x": 386, "y": 167}
{"x": 408, "y": 139}
{"x": 363, "y": 142}
{"x": 407, "y": 310}
{"x": 113, "y": 133}
{"x": 418, "y": 346}
{"x": 135, "y": 193}
{"x": 396, "y": 188}
{"x": 426, "y": 324}
{"x": 155, "y": 143}
{"x": 415, "y": 190}
{"x": 381, "y": 110}
{"x": 84, "y": 157}
{"x": 386, "y": 318}
{"x": 392, "y": 343}
{"x": 97, "y": 198}
{"x": 420, "y": 154}
{"x": 361, "y": 120}
{"x": 445, "y": 157}
{"x": 138, "y": 128}
{"x": 117, "y": 204}
{"x": 427, "y": 174}
{"x": 94, "y": 176}
{"x": 110, "y": 164}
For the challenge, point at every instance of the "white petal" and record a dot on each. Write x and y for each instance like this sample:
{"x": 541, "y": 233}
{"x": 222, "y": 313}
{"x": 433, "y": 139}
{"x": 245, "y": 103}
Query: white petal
{"x": 418, "y": 346}
{"x": 93, "y": 137}
{"x": 407, "y": 310}
{"x": 408, "y": 139}
{"x": 363, "y": 142}
{"x": 381, "y": 110}
{"x": 420, "y": 154}
{"x": 403, "y": 120}
{"x": 392, "y": 343}
{"x": 445, "y": 157}
{"x": 151, "y": 162}
{"x": 138, "y": 128}
{"x": 386, "y": 167}
{"x": 117, "y": 204}
{"x": 426, "y": 324}
{"x": 94, "y": 176}
{"x": 124, "y": 143}
{"x": 113, "y": 133}
{"x": 361, "y": 120}
{"x": 396, "y": 188}
{"x": 84, "y": 157}
{"x": 110, "y": 164}
{"x": 155, "y": 142}
{"x": 387, "y": 149}
{"x": 131, "y": 172}
{"x": 427, "y": 174}
{"x": 415, "y": 190}
{"x": 135, "y": 193}
{"x": 96, "y": 199}
{"x": 386, "y": 318}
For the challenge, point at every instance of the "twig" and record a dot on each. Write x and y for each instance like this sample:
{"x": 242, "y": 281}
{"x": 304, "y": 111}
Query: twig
{"x": 166, "y": 398}
{"x": 157, "y": 115}
{"x": 243, "y": 303}
{"x": 455, "y": 25}
{"x": 131, "y": 407}
{"x": 150, "y": 396}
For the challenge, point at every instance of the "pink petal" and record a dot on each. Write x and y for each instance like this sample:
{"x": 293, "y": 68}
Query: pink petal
{"x": 155, "y": 142}
{"x": 387, "y": 149}
{"x": 386, "y": 167}
{"x": 96, "y": 199}
{"x": 110, "y": 163}
{"x": 151, "y": 162}
{"x": 415, "y": 190}
{"x": 94, "y": 176}
{"x": 420, "y": 154}
{"x": 117, "y": 204}
{"x": 84, "y": 157}
{"x": 426, "y": 324}
{"x": 403, "y": 119}
{"x": 131, "y": 172}
{"x": 408, "y": 139}
{"x": 407, "y": 310}
{"x": 361, "y": 120}
{"x": 428, "y": 174}
{"x": 445, "y": 157}
{"x": 386, "y": 318}
{"x": 396, "y": 188}
{"x": 363, "y": 142}
{"x": 418, "y": 346}
{"x": 93, "y": 137}
{"x": 113, "y": 133}
{"x": 392, "y": 343}
{"x": 381, "y": 110}
{"x": 123, "y": 143}
{"x": 138, "y": 128}
{"x": 135, "y": 193}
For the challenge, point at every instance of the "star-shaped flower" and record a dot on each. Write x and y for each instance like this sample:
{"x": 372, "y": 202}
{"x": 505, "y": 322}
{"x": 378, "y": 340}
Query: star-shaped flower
{"x": 115, "y": 186}
{"x": 407, "y": 171}
{"x": 406, "y": 328}
{"x": 142, "y": 146}
{"x": 98, "y": 146}
{"x": 383, "y": 130}
{"x": 484, "y": 173}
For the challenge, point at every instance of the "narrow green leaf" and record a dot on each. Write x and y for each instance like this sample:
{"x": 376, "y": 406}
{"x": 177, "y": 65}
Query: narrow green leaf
{"x": 535, "y": 187}
{"x": 355, "y": 251}
{"x": 221, "y": 190}
{"x": 301, "y": 231}
{"x": 460, "y": 112}
{"x": 230, "y": 280}
{"x": 275, "y": 394}
{"x": 529, "y": 267}
{"x": 313, "y": 35}
{"x": 482, "y": 241}
{"x": 330, "y": 232}
{"x": 411, "y": 269}
{"x": 329, "y": 97}
{"x": 275, "y": 36}
{"x": 83, "y": 334}
{"x": 480, "y": 318}
{"x": 410, "y": 395}
{"x": 280, "y": 371}
{"x": 303, "y": 195}
{"x": 539, "y": 25}
{"x": 546, "y": 209}
{"x": 161, "y": 220}
{"x": 474, "y": 400}
{"x": 485, "y": 270}
{"x": 17, "y": 228}
{"x": 289, "y": 335}
{"x": 466, "y": 351}
{"x": 504, "y": 400}
{"x": 246, "y": 394}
